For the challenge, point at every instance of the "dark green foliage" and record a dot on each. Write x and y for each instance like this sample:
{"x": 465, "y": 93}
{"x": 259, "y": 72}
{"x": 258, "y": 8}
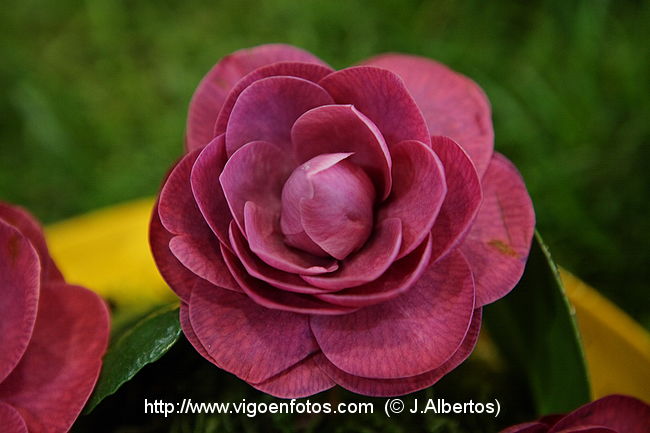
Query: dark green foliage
{"x": 535, "y": 331}
{"x": 142, "y": 343}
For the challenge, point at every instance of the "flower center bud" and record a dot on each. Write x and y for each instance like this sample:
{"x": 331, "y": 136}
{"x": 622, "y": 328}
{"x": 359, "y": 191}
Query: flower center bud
{"x": 327, "y": 206}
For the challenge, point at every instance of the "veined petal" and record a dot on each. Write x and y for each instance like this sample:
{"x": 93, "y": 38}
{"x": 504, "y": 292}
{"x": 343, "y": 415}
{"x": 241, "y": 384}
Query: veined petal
{"x": 250, "y": 341}
{"x": 266, "y": 241}
{"x": 20, "y": 273}
{"x": 617, "y": 412}
{"x": 211, "y": 92}
{"x": 344, "y": 129}
{"x": 336, "y": 213}
{"x": 409, "y": 335}
{"x": 10, "y": 419}
{"x": 382, "y": 96}
{"x": 301, "y": 380}
{"x": 527, "y": 427}
{"x": 498, "y": 243}
{"x": 260, "y": 270}
{"x": 308, "y": 71}
{"x": 255, "y": 173}
{"x": 419, "y": 189}
{"x": 52, "y": 382}
{"x": 401, "y": 386}
{"x": 29, "y": 227}
{"x": 367, "y": 264}
{"x": 203, "y": 258}
{"x": 452, "y": 104}
{"x": 463, "y": 198}
{"x": 267, "y": 109}
{"x": 206, "y": 188}
{"x": 273, "y": 298}
{"x": 177, "y": 276}
{"x": 177, "y": 207}
{"x": 186, "y": 326}
{"x": 400, "y": 277}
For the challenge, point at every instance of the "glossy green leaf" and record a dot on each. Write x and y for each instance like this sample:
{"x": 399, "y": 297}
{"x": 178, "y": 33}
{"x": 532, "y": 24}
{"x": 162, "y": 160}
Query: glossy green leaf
{"x": 141, "y": 344}
{"x": 535, "y": 330}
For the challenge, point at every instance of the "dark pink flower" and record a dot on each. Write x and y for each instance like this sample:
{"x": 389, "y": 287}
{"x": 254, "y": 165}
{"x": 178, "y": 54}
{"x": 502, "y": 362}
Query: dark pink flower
{"x": 611, "y": 414}
{"x": 338, "y": 227}
{"x": 52, "y": 334}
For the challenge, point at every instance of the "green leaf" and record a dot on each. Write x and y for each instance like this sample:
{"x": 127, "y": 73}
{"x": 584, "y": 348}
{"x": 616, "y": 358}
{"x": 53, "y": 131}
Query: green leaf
{"x": 143, "y": 343}
{"x": 535, "y": 329}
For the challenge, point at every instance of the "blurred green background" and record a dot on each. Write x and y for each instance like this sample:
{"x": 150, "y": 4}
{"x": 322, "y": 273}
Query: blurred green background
{"x": 93, "y": 98}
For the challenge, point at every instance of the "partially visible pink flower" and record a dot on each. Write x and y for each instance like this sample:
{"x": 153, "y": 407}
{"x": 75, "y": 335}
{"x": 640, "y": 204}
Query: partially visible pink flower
{"x": 611, "y": 414}
{"x": 338, "y": 227}
{"x": 52, "y": 334}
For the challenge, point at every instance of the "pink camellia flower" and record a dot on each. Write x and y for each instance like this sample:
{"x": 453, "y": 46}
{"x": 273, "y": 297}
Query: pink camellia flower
{"x": 611, "y": 414}
{"x": 52, "y": 334}
{"x": 338, "y": 227}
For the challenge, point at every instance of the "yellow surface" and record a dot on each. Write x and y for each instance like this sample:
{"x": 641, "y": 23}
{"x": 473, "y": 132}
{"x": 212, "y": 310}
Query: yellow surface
{"x": 108, "y": 251}
{"x": 616, "y": 347}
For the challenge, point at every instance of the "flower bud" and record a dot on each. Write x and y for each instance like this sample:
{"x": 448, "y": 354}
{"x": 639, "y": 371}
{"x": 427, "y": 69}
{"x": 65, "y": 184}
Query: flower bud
{"x": 327, "y": 206}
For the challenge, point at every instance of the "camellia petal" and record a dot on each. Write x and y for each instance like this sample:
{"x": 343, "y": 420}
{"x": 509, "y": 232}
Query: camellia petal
{"x": 207, "y": 190}
{"x": 394, "y": 387}
{"x": 497, "y": 246}
{"x": 338, "y": 214}
{"x": 211, "y": 92}
{"x": 382, "y": 96}
{"x": 10, "y": 420}
{"x": 57, "y": 373}
{"x": 301, "y": 380}
{"x": 267, "y": 109}
{"x": 250, "y": 341}
{"x": 419, "y": 189}
{"x": 265, "y": 240}
{"x": 409, "y": 335}
{"x": 309, "y": 71}
{"x": 463, "y": 196}
{"x": 260, "y": 270}
{"x": 618, "y": 412}
{"x": 589, "y": 429}
{"x": 400, "y": 277}
{"x": 177, "y": 208}
{"x": 186, "y": 326}
{"x": 298, "y": 187}
{"x": 452, "y": 104}
{"x": 20, "y": 282}
{"x": 529, "y": 427}
{"x": 255, "y": 173}
{"x": 31, "y": 229}
{"x": 313, "y": 134}
{"x": 178, "y": 277}
{"x": 367, "y": 264}
{"x": 610, "y": 414}
{"x": 203, "y": 258}
{"x": 270, "y": 297}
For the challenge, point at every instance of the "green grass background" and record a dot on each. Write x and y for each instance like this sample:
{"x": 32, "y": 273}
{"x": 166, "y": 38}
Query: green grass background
{"x": 93, "y": 98}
